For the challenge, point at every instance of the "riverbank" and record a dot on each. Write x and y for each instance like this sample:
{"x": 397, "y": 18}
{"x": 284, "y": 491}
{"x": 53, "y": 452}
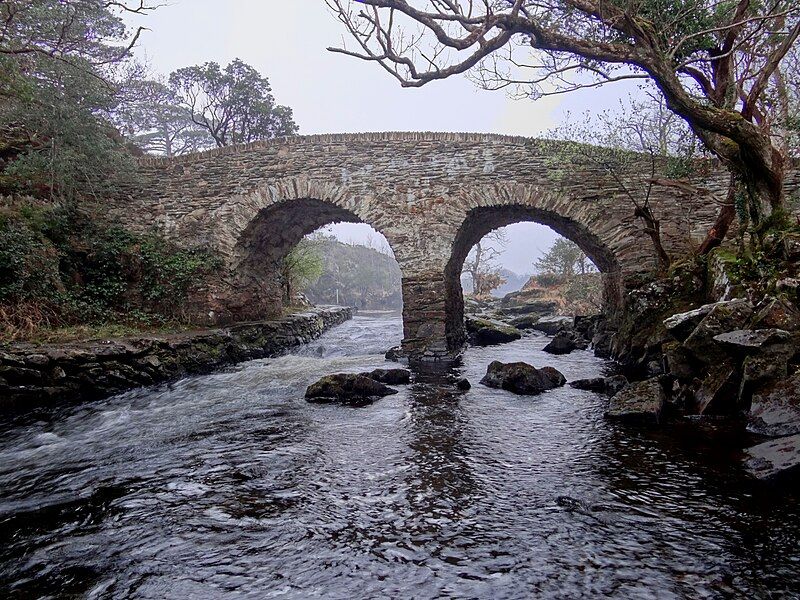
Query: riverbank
{"x": 40, "y": 374}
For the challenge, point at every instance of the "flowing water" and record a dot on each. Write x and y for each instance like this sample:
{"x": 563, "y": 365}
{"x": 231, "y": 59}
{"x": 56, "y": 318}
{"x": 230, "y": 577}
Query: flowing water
{"x": 232, "y": 486}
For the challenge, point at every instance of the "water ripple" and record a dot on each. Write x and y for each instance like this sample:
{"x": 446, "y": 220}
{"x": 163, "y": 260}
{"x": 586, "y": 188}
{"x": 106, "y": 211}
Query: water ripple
{"x": 231, "y": 485}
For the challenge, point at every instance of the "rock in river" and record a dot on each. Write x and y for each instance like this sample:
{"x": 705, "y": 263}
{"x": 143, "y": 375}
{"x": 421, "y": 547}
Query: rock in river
{"x": 564, "y": 342}
{"x": 347, "y": 388}
{"x": 522, "y": 378}
{"x": 487, "y": 332}
{"x": 722, "y": 318}
{"x": 390, "y": 376}
{"x": 552, "y": 325}
{"x": 640, "y": 402}
{"x": 608, "y": 385}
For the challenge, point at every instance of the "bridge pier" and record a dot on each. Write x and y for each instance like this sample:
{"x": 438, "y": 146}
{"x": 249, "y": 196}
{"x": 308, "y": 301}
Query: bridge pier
{"x": 425, "y": 320}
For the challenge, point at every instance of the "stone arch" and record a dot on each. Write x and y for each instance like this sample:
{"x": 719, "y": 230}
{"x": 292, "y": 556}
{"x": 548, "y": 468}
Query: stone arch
{"x": 261, "y": 227}
{"x": 499, "y": 206}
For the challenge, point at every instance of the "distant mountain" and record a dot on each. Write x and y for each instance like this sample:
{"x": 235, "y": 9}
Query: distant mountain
{"x": 357, "y": 276}
{"x": 514, "y": 283}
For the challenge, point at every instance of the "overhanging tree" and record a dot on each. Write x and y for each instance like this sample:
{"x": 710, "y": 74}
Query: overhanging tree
{"x": 716, "y": 63}
{"x": 60, "y": 61}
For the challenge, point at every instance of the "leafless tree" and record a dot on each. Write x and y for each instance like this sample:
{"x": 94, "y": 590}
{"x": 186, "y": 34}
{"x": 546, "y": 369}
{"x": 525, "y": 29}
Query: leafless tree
{"x": 481, "y": 264}
{"x": 715, "y": 63}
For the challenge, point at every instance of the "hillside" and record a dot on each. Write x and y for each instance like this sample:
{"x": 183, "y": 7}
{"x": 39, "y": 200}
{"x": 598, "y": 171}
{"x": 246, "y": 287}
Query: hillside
{"x": 356, "y": 276}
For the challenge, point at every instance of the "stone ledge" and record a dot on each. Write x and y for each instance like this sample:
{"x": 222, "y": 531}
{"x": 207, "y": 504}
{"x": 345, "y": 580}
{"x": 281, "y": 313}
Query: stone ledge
{"x": 34, "y": 375}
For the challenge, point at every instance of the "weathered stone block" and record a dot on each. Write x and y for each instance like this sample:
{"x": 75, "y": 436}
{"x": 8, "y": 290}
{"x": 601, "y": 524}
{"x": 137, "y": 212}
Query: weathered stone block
{"x": 774, "y": 458}
{"x": 776, "y": 410}
{"x": 641, "y": 402}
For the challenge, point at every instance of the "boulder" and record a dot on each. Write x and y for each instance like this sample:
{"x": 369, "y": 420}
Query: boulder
{"x": 533, "y": 307}
{"x": 749, "y": 341}
{"x": 773, "y": 458}
{"x": 677, "y": 361}
{"x": 521, "y": 297}
{"x": 775, "y": 411}
{"x": 390, "y": 376}
{"x": 347, "y": 388}
{"x": 552, "y": 325}
{"x": 758, "y": 370}
{"x": 615, "y": 383}
{"x": 602, "y": 342}
{"x": 522, "y": 378}
{"x": 777, "y": 313}
{"x": 593, "y": 384}
{"x": 586, "y": 325}
{"x": 640, "y": 402}
{"x": 722, "y": 318}
{"x": 463, "y": 384}
{"x": 486, "y": 332}
{"x": 562, "y": 343}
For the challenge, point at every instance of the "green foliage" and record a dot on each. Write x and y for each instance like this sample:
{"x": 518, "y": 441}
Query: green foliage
{"x": 28, "y": 264}
{"x": 234, "y": 105}
{"x": 356, "y": 275}
{"x": 301, "y": 267}
{"x": 150, "y": 114}
{"x": 80, "y": 271}
{"x": 564, "y": 260}
{"x": 57, "y": 63}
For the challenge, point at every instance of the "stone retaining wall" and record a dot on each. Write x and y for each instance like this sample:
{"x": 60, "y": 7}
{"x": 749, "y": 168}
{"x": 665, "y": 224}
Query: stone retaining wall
{"x": 36, "y": 375}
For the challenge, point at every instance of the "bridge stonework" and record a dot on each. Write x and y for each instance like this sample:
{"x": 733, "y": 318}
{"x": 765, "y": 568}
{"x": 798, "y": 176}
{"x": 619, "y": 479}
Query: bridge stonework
{"x": 432, "y": 195}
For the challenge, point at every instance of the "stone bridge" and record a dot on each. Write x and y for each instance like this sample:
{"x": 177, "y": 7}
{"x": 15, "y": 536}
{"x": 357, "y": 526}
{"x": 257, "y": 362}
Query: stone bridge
{"x": 432, "y": 195}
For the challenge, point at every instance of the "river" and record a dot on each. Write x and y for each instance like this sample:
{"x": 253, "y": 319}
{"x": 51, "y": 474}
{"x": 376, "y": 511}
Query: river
{"x": 232, "y": 486}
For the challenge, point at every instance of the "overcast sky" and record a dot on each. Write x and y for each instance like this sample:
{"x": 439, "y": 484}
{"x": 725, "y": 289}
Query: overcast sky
{"x": 286, "y": 40}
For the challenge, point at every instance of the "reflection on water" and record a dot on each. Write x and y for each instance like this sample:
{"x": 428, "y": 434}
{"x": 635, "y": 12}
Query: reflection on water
{"x": 231, "y": 485}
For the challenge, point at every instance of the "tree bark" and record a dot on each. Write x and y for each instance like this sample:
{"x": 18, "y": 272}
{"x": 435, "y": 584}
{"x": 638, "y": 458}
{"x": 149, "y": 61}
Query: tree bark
{"x": 725, "y": 217}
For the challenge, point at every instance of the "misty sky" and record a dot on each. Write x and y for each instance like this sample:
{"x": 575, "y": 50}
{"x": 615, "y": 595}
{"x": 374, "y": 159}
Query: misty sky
{"x": 286, "y": 40}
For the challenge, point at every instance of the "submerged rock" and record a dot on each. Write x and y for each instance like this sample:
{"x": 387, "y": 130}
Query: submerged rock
{"x": 522, "y": 378}
{"x": 347, "y": 388}
{"x": 486, "y": 332}
{"x": 390, "y": 376}
{"x": 773, "y": 458}
{"x": 640, "y": 402}
{"x": 776, "y": 411}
